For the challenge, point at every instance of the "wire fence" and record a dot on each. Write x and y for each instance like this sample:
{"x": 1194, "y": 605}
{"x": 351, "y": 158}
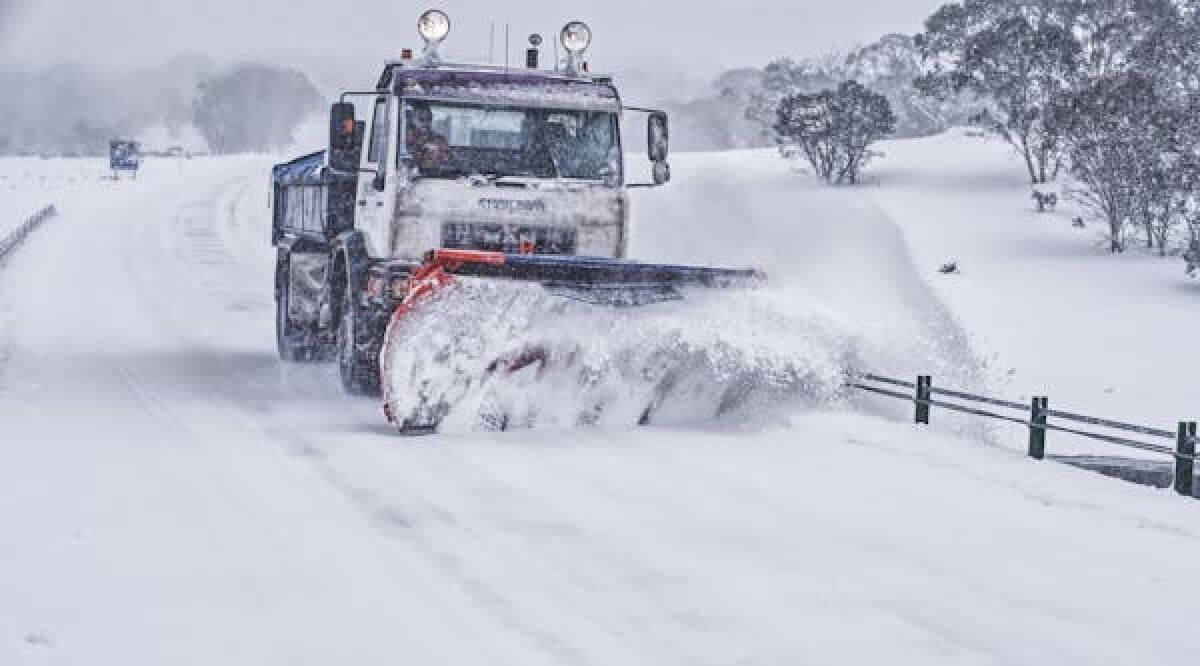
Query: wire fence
{"x": 1036, "y": 417}
{"x": 10, "y": 242}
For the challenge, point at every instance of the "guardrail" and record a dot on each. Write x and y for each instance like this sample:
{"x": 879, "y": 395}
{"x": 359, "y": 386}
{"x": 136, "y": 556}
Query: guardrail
{"x": 1036, "y": 417}
{"x": 13, "y": 239}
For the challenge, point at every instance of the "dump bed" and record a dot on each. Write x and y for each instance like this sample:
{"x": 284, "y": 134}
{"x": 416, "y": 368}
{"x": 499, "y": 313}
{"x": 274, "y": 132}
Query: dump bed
{"x": 304, "y": 170}
{"x": 308, "y": 203}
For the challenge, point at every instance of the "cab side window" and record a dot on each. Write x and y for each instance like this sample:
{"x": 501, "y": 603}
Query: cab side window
{"x": 379, "y": 131}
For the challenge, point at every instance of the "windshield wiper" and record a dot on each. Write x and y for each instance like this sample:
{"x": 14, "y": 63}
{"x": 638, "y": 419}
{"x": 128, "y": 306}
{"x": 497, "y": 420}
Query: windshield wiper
{"x": 477, "y": 178}
{"x": 503, "y": 180}
{"x": 513, "y": 181}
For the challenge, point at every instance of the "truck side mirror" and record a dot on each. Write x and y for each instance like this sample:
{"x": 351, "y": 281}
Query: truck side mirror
{"x": 345, "y": 138}
{"x": 657, "y": 136}
{"x": 661, "y": 172}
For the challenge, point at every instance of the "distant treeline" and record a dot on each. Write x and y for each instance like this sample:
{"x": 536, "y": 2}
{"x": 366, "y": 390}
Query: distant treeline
{"x": 741, "y": 110}
{"x": 74, "y": 110}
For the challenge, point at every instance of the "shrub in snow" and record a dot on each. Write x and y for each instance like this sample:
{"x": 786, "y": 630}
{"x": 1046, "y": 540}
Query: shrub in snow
{"x": 834, "y": 128}
{"x": 1046, "y": 201}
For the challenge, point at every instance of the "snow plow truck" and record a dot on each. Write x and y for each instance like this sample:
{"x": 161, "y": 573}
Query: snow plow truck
{"x": 449, "y": 172}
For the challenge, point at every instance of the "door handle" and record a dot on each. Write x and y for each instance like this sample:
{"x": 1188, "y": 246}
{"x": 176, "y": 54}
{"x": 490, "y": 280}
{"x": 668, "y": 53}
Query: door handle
{"x": 379, "y": 204}
{"x": 362, "y": 202}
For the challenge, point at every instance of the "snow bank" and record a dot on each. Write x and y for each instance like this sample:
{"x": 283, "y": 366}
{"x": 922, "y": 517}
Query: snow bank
{"x": 829, "y": 246}
{"x": 821, "y": 247}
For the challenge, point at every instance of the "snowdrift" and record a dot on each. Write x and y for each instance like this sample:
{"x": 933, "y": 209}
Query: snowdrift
{"x": 831, "y": 248}
{"x": 842, "y": 296}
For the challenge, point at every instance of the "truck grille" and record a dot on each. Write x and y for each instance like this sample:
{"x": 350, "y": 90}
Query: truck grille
{"x": 508, "y": 238}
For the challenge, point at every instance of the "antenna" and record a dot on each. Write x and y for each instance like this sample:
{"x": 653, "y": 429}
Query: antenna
{"x": 505, "y": 46}
{"x": 492, "y": 45}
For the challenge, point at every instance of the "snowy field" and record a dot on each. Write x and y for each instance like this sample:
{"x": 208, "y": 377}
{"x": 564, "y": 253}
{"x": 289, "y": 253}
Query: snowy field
{"x": 171, "y": 494}
{"x": 27, "y": 184}
{"x": 1048, "y": 308}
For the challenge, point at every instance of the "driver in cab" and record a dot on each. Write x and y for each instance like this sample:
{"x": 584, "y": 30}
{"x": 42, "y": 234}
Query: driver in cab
{"x": 428, "y": 148}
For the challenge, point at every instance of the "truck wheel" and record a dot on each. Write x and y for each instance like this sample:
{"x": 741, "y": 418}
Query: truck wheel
{"x": 358, "y": 364}
{"x": 293, "y": 342}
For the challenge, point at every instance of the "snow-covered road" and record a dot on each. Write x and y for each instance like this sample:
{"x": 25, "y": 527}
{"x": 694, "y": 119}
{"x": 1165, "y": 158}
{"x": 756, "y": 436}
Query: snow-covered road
{"x": 171, "y": 494}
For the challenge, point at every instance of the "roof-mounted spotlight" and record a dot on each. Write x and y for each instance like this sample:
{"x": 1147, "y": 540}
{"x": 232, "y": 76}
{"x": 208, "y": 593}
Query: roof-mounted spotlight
{"x": 575, "y": 37}
{"x": 433, "y": 27}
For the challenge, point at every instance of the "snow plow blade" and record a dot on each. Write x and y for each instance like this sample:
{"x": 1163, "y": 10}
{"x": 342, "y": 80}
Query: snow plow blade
{"x": 422, "y": 382}
{"x": 592, "y": 279}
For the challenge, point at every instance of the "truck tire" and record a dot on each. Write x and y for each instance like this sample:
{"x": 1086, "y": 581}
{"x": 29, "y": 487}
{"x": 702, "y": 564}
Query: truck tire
{"x": 357, "y": 353}
{"x": 294, "y": 343}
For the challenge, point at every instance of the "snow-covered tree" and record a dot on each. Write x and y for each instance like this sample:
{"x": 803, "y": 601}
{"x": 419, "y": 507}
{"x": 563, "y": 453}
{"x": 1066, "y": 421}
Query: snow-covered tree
{"x": 1116, "y": 134}
{"x": 887, "y": 66}
{"x": 785, "y": 77}
{"x": 1168, "y": 54}
{"x": 1129, "y": 126}
{"x": 253, "y": 108}
{"x": 1018, "y": 55}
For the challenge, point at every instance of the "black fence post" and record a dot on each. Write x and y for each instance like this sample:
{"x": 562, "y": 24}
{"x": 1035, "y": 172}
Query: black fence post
{"x": 1185, "y": 458}
{"x": 924, "y": 394}
{"x": 1037, "y": 427}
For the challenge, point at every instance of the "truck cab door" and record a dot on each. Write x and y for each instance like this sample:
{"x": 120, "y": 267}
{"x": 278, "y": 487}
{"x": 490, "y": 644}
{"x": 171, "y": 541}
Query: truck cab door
{"x": 376, "y": 184}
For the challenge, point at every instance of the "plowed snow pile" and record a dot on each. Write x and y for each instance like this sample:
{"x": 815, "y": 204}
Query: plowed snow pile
{"x": 500, "y": 355}
{"x": 842, "y": 295}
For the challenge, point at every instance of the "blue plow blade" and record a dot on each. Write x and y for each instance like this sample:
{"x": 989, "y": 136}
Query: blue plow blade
{"x": 594, "y": 279}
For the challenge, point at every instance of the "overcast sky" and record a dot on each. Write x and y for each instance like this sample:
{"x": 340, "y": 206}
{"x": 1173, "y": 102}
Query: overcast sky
{"x": 713, "y": 33}
{"x": 664, "y": 49}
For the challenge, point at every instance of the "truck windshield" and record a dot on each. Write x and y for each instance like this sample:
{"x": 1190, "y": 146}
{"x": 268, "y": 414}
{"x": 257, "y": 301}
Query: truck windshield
{"x": 454, "y": 140}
